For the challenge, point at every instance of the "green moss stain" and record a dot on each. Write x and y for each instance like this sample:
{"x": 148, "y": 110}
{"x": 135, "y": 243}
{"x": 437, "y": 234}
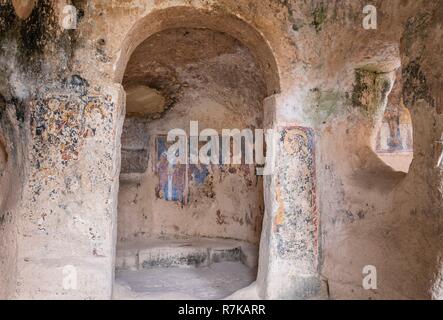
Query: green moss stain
{"x": 370, "y": 89}
{"x": 318, "y": 17}
{"x": 360, "y": 88}
{"x": 325, "y": 104}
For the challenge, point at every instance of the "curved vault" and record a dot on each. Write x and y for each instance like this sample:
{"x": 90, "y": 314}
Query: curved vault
{"x": 186, "y": 17}
{"x": 157, "y": 83}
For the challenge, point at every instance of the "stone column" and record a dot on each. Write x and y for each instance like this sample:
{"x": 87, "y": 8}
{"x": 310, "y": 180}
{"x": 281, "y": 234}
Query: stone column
{"x": 289, "y": 247}
{"x": 66, "y": 228}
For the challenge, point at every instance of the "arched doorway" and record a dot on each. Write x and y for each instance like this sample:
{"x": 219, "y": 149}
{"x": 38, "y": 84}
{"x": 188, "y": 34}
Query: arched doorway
{"x": 189, "y": 230}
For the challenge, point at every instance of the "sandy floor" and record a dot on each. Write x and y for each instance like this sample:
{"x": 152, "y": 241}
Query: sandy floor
{"x": 217, "y": 281}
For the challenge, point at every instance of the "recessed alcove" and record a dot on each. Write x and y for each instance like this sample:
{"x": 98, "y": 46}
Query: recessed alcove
{"x": 198, "y": 224}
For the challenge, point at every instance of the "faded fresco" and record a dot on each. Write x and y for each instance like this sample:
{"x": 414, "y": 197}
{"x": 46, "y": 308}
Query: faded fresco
{"x": 173, "y": 181}
{"x": 296, "y": 223}
{"x": 395, "y": 133}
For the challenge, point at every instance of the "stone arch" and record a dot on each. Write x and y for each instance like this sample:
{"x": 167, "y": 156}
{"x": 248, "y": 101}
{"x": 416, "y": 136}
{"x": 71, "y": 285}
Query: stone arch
{"x": 191, "y": 18}
{"x": 187, "y": 17}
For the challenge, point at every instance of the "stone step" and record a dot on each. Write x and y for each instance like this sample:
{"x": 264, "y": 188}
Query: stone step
{"x": 183, "y": 253}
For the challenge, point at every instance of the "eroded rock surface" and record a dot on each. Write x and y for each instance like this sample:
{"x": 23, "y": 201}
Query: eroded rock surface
{"x": 79, "y": 167}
